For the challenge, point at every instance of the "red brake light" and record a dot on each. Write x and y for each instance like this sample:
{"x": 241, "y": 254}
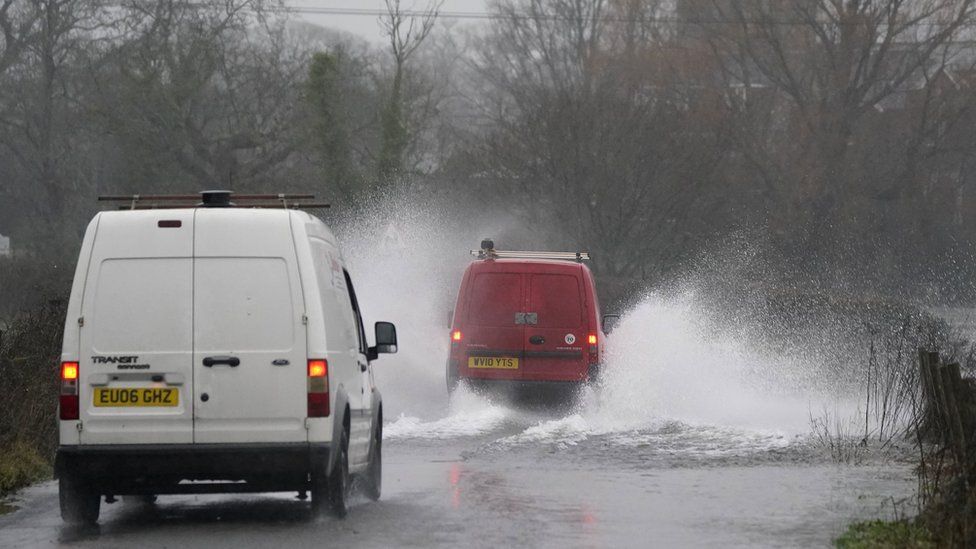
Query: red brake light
{"x": 69, "y": 371}
{"x": 68, "y": 406}
{"x": 318, "y": 388}
{"x": 456, "y": 335}
{"x": 318, "y": 405}
{"x": 317, "y": 368}
{"x": 68, "y": 399}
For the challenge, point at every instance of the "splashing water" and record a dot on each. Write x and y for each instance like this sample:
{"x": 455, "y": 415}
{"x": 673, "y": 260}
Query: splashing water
{"x": 666, "y": 361}
{"x": 669, "y": 368}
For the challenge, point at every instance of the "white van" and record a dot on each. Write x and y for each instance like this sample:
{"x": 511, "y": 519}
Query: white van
{"x": 211, "y": 350}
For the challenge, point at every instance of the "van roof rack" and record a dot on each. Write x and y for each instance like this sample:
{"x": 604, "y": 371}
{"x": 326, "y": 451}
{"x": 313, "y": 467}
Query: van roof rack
{"x": 488, "y": 251}
{"x": 213, "y": 199}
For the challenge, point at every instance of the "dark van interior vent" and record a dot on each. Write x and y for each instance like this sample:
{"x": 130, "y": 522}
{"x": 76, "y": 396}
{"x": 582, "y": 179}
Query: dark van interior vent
{"x": 215, "y": 199}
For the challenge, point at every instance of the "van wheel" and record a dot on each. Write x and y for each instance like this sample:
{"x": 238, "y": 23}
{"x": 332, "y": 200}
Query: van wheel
{"x": 452, "y": 381}
{"x": 79, "y": 503}
{"x": 374, "y": 471}
{"x": 319, "y": 489}
{"x": 338, "y": 481}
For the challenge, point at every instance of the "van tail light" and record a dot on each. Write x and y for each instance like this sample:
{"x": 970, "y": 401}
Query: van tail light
{"x": 594, "y": 349}
{"x": 318, "y": 388}
{"x": 68, "y": 399}
{"x": 456, "y": 338}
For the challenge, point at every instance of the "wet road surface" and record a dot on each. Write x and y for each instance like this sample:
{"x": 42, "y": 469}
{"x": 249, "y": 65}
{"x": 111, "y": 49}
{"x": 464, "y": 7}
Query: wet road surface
{"x": 488, "y": 480}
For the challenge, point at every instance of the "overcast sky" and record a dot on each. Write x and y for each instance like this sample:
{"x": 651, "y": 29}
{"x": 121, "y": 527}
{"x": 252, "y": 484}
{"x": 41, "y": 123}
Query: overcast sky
{"x": 367, "y": 25}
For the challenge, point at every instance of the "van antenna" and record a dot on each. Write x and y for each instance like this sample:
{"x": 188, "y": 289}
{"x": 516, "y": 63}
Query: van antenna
{"x": 487, "y": 250}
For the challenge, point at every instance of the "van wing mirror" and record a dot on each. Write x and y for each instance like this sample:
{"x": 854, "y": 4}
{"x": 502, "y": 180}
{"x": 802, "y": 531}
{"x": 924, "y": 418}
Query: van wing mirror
{"x": 386, "y": 339}
{"x": 610, "y": 322}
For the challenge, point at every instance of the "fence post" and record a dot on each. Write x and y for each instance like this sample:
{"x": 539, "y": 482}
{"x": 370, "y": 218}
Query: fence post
{"x": 928, "y": 404}
{"x": 952, "y": 383}
{"x": 941, "y": 408}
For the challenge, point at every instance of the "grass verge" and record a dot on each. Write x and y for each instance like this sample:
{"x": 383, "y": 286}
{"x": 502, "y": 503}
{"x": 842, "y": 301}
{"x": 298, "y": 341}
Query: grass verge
{"x": 20, "y": 465}
{"x": 877, "y": 534}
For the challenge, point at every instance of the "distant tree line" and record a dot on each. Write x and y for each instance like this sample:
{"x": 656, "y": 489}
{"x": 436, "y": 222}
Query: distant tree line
{"x": 836, "y": 137}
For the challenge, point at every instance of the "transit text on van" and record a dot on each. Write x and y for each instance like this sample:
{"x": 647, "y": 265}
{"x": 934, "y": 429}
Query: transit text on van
{"x": 115, "y": 359}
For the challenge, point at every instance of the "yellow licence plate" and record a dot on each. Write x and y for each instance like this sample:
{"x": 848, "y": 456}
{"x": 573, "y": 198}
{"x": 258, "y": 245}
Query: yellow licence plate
{"x": 152, "y": 396}
{"x": 500, "y": 362}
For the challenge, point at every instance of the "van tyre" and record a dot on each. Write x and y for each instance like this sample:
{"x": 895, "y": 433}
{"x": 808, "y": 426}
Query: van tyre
{"x": 319, "y": 489}
{"x": 79, "y": 503}
{"x": 338, "y": 481}
{"x": 452, "y": 380}
{"x": 373, "y": 480}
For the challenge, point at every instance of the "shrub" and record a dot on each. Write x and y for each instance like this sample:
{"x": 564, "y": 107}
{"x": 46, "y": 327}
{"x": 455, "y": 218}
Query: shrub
{"x": 20, "y": 465}
{"x": 30, "y": 346}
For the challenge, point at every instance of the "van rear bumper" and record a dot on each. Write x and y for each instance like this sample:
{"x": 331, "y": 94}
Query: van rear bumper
{"x": 539, "y": 379}
{"x": 193, "y": 468}
{"x": 526, "y": 391}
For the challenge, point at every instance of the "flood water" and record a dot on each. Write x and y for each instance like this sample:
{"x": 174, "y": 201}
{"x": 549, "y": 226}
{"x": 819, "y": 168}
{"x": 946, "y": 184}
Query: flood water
{"x": 499, "y": 478}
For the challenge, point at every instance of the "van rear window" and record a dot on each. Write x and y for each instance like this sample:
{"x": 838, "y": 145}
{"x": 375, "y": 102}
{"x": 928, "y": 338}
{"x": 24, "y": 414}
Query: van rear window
{"x": 557, "y": 300}
{"x": 495, "y": 298}
{"x": 143, "y": 305}
{"x": 243, "y": 304}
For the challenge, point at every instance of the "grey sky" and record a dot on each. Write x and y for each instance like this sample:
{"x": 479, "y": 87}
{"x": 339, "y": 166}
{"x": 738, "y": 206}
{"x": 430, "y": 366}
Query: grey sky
{"x": 367, "y": 26}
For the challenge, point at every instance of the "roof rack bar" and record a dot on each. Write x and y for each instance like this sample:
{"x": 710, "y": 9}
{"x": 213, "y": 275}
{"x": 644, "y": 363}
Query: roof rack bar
{"x": 140, "y": 197}
{"x": 488, "y": 251}
{"x": 512, "y": 254}
{"x": 261, "y": 205}
{"x": 196, "y": 197}
{"x": 214, "y": 199}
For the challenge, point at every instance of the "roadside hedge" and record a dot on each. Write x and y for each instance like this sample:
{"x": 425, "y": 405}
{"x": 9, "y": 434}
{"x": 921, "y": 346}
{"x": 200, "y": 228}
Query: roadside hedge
{"x": 30, "y": 347}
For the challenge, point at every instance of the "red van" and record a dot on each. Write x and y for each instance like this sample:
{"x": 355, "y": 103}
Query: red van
{"x": 525, "y": 320}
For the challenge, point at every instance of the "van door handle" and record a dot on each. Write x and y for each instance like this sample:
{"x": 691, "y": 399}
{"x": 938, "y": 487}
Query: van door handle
{"x": 212, "y": 361}
{"x": 537, "y": 340}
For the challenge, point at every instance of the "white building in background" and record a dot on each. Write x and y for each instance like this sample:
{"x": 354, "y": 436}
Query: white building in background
{"x": 4, "y": 246}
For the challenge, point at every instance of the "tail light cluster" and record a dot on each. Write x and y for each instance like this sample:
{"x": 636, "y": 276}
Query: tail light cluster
{"x": 68, "y": 399}
{"x": 455, "y": 359}
{"x": 318, "y": 388}
{"x": 594, "y": 348}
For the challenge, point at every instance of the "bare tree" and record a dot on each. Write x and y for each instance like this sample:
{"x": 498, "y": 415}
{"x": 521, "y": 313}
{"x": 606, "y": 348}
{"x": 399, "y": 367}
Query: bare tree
{"x": 38, "y": 100}
{"x": 836, "y": 62}
{"x": 203, "y": 95}
{"x": 603, "y": 140}
{"x": 17, "y": 26}
{"x": 406, "y": 32}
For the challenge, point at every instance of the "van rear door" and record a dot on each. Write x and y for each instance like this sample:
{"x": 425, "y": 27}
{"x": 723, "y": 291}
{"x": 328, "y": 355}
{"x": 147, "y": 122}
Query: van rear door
{"x": 494, "y": 338}
{"x": 249, "y": 351}
{"x": 136, "y": 329}
{"x": 554, "y": 344}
